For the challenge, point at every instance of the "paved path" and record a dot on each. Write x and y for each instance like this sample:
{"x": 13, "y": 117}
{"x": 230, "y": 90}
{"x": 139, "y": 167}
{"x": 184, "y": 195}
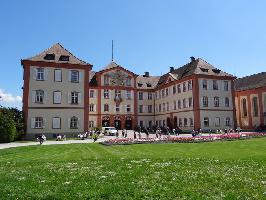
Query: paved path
{"x": 130, "y": 134}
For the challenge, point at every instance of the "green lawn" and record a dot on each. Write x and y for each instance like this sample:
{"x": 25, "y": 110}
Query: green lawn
{"x": 217, "y": 170}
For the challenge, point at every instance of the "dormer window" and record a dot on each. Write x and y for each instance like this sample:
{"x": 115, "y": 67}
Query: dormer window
{"x": 216, "y": 71}
{"x": 204, "y": 69}
{"x": 140, "y": 84}
{"x": 49, "y": 57}
{"x": 148, "y": 84}
{"x": 64, "y": 58}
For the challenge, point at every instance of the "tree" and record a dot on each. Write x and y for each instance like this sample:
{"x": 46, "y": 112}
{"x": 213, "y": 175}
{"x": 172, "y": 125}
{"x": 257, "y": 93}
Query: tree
{"x": 7, "y": 127}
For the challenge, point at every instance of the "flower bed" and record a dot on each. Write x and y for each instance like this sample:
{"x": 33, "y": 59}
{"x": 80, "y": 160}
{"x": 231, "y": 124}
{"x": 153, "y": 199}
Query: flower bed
{"x": 176, "y": 139}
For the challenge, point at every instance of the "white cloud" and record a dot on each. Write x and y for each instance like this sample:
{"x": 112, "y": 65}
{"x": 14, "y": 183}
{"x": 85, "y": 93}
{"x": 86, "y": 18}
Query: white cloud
{"x": 9, "y": 98}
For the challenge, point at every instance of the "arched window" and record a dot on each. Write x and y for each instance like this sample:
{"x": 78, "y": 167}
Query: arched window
{"x": 255, "y": 106}
{"x": 244, "y": 108}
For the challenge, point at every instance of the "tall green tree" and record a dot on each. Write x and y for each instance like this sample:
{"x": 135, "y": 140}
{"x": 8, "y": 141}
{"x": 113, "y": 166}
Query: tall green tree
{"x": 7, "y": 127}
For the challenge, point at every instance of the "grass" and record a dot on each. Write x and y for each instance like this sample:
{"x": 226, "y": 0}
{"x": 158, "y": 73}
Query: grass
{"x": 218, "y": 170}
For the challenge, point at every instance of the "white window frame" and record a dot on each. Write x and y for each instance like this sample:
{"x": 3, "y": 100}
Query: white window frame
{"x": 39, "y": 96}
{"x": 57, "y": 99}
{"x": 74, "y": 76}
{"x": 40, "y": 73}
{"x": 58, "y": 75}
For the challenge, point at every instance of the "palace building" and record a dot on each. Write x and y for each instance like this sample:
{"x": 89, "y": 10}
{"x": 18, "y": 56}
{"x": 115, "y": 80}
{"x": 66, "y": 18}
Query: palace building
{"x": 61, "y": 94}
{"x": 250, "y": 101}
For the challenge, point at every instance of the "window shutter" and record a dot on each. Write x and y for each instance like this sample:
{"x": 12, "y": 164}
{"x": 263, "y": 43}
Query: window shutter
{"x": 69, "y": 75}
{"x": 34, "y": 73}
{"x": 79, "y": 97}
{"x": 80, "y": 76}
{"x": 78, "y": 123}
{"x": 69, "y": 97}
{"x": 32, "y": 122}
{"x": 45, "y": 97}
{"x": 110, "y": 94}
{"x": 44, "y": 122}
{"x": 59, "y": 97}
{"x": 68, "y": 122}
{"x": 45, "y": 74}
{"x": 33, "y": 94}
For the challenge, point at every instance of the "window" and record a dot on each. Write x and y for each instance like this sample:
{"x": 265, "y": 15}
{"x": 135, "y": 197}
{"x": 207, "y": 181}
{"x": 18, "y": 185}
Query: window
{"x": 128, "y": 81}
{"x": 149, "y": 108}
{"x": 74, "y": 98}
{"x": 189, "y": 85}
{"x": 204, "y": 84}
{"x": 128, "y": 109}
{"x": 163, "y": 107}
{"x": 226, "y": 86}
{"x": 166, "y": 92}
{"x": 117, "y": 94}
{"x": 40, "y": 74}
{"x": 117, "y": 108}
{"x": 178, "y": 88}
{"x": 140, "y": 108}
{"x": 74, "y": 123}
{"x": 217, "y": 121}
{"x": 49, "y": 57}
{"x": 38, "y": 122}
{"x": 216, "y": 101}
{"x": 227, "y": 121}
{"x": 160, "y": 107}
{"x": 205, "y": 101}
{"x": 106, "y": 94}
{"x": 56, "y": 123}
{"x": 191, "y": 123}
{"x": 140, "y": 95}
{"x": 39, "y": 96}
{"x": 226, "y": 102}
{"x": 179, "y": 104}
{"x": 128, "y": 94}
{"x": 184, "y": 103}
{"x": 149, "y": 96}
{"x": 190, "y": 102}
{"x": 74, "y": 76}
{"x": 215, "y": 84}
{"x": 58, "y": 75}
{"x": 167, "y": 106}
{"x": 174, "y": 105}
{"x": 91, "y": 124}
{"x": 106, "y": 79}
{"x": 91, "y": 93}
{"x": 206, "y": 121}
{"x": 184, "y": 87}
{"x": 244, "y": 108}
{"x": 148, "y": 84}
{"x": 185, "y": 122}
{"x": 174, "y": 89}
{"x": 255, "y": 106}
{"x": 57, "y": 97}
{"x": 163, "y": 93}
{"x": 180, "y": 122}
{"x": 141, "y": 123}
{"x": 64, "y": 58}
{"x": 106, "y": 108}
{"x": 91, "y": 107}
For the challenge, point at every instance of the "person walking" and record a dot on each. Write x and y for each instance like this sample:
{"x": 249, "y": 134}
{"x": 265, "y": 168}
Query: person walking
{"x": 135, "y": 135}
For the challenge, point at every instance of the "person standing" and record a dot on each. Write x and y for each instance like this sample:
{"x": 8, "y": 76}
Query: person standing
{"x": 135, "y": 135}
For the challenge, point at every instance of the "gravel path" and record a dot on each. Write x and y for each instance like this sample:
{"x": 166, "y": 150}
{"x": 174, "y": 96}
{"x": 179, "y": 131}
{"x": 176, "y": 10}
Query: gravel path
{"x": 86, "y": 141}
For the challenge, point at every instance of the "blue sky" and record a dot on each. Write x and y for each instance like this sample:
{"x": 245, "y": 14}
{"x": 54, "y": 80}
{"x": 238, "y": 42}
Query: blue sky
{"x": 149, "y": 35}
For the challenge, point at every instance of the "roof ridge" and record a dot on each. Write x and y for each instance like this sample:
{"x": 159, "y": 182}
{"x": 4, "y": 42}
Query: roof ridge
{"x": 251, "y": 75}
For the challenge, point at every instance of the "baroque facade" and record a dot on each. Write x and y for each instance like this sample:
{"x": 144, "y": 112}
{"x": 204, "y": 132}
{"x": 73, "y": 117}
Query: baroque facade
{"x": 61, "y": 94}
{"x": 250, "y": 101}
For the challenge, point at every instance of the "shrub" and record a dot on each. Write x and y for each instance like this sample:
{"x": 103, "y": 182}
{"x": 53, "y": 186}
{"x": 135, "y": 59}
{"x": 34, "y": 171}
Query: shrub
{"x": 7, "y": 127}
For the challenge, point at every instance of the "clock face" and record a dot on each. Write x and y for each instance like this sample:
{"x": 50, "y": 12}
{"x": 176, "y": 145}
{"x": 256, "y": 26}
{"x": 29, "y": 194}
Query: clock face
{"x": 117, "y": 78}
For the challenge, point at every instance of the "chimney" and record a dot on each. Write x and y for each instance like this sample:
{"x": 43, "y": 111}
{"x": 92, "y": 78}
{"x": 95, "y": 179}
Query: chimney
{"x": 192, "y": 58}
{"x": 172, "y": 69}
{"x": 146, "y": 74}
